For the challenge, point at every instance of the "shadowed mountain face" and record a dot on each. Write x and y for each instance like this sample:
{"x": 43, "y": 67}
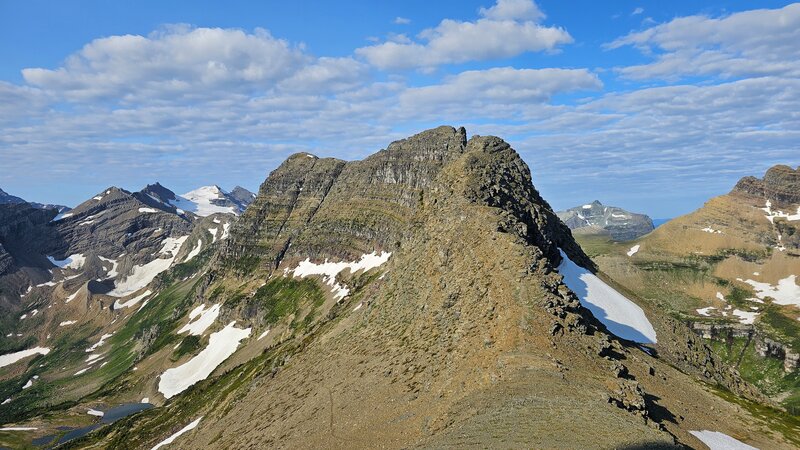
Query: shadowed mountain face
{"x": 411, "y": 299}
{"x": 596, "y": 218}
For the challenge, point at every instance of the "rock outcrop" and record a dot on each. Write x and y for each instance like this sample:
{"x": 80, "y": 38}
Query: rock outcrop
{"x": 781, "y": 184}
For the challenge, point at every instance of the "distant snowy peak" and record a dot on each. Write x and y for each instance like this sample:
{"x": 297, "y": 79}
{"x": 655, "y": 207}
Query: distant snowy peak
{"x": 622, "y": 225}
{"x": 202, "y": 202}
{"x": 208, "y": 200}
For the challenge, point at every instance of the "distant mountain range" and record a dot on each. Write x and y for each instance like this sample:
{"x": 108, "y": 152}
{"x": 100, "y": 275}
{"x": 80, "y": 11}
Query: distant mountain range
{"x": 596, "y": 218}
{"x": 8, "y": 199}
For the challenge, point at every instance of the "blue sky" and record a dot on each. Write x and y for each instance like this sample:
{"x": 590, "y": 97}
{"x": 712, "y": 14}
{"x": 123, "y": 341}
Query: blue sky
{"x": 652, "y": 106}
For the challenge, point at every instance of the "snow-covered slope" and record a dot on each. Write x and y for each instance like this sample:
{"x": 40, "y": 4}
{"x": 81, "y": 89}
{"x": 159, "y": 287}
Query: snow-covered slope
{"x": 208, "y": 200}
{"x": 620, "y": 315}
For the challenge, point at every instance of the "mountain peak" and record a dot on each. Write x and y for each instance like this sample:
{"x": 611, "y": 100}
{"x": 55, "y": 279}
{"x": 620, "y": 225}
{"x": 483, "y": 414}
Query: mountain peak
{"x": 596, "y": 218}
{"x": 779, "y": 184}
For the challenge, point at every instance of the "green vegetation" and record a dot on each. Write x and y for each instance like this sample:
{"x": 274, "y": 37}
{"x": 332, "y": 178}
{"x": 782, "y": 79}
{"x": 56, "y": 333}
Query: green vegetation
{"x": 189, "y": 345}
{"x": 764, "y": 372}
{"x": 783, "y": 328}
{"x": 281, "y": 297}
{"x": 147, "y": 331}
{"x": 246, "y": 264}
{"x": 595, "y": 245}
{"x": 779, "y": 421}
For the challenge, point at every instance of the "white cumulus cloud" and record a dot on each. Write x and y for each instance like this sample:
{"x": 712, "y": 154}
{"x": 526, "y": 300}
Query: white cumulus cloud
{"x": 507, "y": 29}
{"x": 749, "y": 43}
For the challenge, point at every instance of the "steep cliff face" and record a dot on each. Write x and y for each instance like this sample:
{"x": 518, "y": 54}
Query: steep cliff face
{"x": 313, "y": 207}
{"x": 23, "y": 228}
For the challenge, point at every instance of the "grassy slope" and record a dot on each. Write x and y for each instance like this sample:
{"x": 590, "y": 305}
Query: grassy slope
{"x": 663, "y": 281}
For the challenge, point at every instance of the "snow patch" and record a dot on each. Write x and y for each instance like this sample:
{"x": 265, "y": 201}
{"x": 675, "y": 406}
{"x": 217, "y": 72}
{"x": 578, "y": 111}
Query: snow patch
{"x": 183, "y": 430}
{"x": 148, "y": 210}
{"x": 621, "y": 316}
{"x": 745, "y": 317}
{"x": 720, "y": 441}
{"x": 142, "y": 275}
{"x": 221, "y": 345}
{"x": 213, "y": 232}
{"x": 786, "y": 292}
{"x": 771, "y": 215}
{"x": 195, "y": 251}
{"x": 329, "y": 270}
{"x": 263, "y": 335}
{"x": 634, "y": 250}
{"x": 11, "y": 358}
{"x": 18, "y": 429}
{"x": 67, "y": 323}
{"x": 75, "y": 261}
{"x": 73, "y": 296}
{"x": 94, "y": 412}
{"x": 711, "y": 230}
{"x": 99, "y": 343}
{"x": 225, "y": 230}
{"x": 132, "y": 301}
{"x": 205, "y": 320}
{"x": 113, "y": 271}
{"x": 705, "y": 311}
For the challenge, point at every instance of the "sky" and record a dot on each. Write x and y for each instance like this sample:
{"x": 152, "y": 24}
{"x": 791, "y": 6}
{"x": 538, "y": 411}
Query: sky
{"x": 649, "y": 105}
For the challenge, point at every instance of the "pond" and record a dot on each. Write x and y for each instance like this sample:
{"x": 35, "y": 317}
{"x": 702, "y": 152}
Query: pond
{"x": 110, "y": 416}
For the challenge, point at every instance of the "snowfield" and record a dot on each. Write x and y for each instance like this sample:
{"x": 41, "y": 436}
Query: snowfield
{"x": 183, "y": 430}
{"x": 200, "y": 201}
{"x": 141, "y": 276}
{"x": 720, "y": 441}
{"x": 620, "y": 315}
{"x": 11, "y": 358}
{"x": 207, "y": 318}
{"x": 221, "y": 345}
{"x": 329, "y": 270}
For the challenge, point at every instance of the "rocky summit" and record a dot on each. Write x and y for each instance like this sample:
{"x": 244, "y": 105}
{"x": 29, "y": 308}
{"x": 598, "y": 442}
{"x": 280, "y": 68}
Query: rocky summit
{"x": 426, "y": 296}
{"x": 595, "y": 218}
